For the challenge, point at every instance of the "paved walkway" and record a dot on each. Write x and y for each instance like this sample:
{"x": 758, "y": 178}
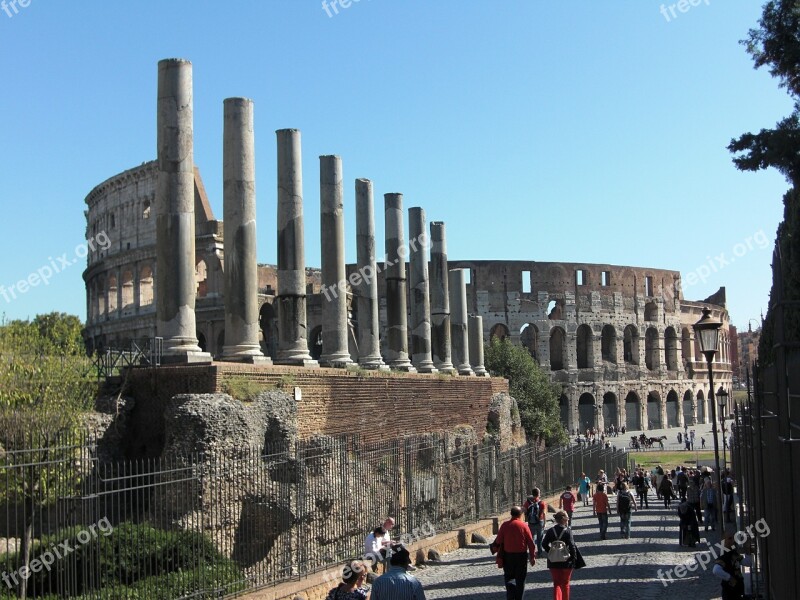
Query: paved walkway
{"x": 616, "y": 569}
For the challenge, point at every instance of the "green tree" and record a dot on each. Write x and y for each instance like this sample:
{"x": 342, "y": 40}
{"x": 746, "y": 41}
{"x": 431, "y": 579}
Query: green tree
{"x": 775, "y": 44}
{"x": 536, "y": 396}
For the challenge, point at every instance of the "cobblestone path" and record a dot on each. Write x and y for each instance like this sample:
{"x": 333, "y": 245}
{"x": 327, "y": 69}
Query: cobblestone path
{"x": 617, "y": 569}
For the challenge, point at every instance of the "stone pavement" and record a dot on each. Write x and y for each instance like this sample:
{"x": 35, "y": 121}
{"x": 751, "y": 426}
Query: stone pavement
{"x": 617, "y": 569}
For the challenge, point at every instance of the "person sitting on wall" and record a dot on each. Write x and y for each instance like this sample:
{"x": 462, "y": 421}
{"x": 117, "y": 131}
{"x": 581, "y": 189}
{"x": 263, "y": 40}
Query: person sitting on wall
{"x": 352, "y": 586}
{"x": 374, "y": 548}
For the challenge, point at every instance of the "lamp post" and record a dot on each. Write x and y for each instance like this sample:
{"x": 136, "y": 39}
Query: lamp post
{"x": 723, "y": 406}
{"x": 707, "y": 330}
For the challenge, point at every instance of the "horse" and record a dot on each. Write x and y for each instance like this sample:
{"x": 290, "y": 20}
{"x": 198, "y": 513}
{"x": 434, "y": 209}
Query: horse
{"x": 658, "y": 440}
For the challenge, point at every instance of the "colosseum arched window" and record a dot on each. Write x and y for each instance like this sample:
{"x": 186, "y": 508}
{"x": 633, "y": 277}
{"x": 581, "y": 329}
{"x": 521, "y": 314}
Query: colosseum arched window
{"x": 650, "y": 311}
{"x": 127, "y": 292}
{"x": 633, "y": 411}
{"x": 558, "y": 348}
{"x": 610, "y": 411}
{"x": 146, "y": 209}
{"x": 630, "y": 345}
{"x": 584, "y": 341}
{"x": 671, "y": 348}
{"x": 688, "y": 410}
{"x": 608, "y": 344}
{"x": 201, "y": 277}
{"x": 145, "y": 286}
{"x": 654, "y": 410}
{"x": 686, "y": 345}
{"x": 651, "y": 358}
{"x": 701, "y": 407}
{"x": 112, "y": 294}
{"x": 499, "y": 331}
{"x": 529, "y": 338}
{"x": 673, "y": 409}
{"x": 586, "y": 411}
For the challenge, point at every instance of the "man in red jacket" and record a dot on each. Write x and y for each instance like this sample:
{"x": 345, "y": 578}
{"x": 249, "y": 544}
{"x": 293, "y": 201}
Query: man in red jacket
{"x": 514, "y": 542}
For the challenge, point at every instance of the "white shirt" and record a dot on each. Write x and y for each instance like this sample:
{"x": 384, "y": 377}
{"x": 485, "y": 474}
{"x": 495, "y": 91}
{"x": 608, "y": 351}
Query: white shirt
{"x": 372, "y": 545}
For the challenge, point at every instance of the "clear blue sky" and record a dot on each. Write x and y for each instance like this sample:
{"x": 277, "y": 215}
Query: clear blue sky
{"x": 576, "y": 131}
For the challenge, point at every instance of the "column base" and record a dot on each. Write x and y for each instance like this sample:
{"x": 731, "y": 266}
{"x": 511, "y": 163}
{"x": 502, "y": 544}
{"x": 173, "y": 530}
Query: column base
{"x": 296, "y": 362}
{"x": 480, "y": 372}
{"x": 406, "y": 367}
{"x": 187, "y": 358}
{"x": 335, "y": 361}
{"x": 465, "y": 371}
{"x": 374, "y": 366}
{"x": 263, "y": 361}
{"x": 245, "y": 354}
{"x": 445, "y": 367}
{"x": 425, "y": 367}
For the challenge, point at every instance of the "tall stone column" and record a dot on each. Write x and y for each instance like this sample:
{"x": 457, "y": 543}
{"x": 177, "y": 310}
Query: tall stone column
{"x": 291, "y": 299}
{"x": 335, "y": 351}
{"x": 420, "y": 299}
{"x": 476, "y": 345}
{"x": 440, "y": 300}
{"x": 239, "y": 214}
{"x": 396, "y": 302}
{"x": 369, "y": 344}
{"x": 458, "y": 322}
{"x": 175, "y": 253}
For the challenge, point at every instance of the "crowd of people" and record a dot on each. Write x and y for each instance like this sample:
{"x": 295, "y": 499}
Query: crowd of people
{"x": 525, "y": 536}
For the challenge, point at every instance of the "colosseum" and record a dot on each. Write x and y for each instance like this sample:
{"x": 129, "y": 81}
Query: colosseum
{"x": 619, "y": 340}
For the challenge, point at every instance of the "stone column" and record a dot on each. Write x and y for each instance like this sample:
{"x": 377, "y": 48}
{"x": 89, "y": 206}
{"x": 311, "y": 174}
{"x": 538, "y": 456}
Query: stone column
{"x": 175, "y": 252}
{"x": 335, "y": 352}
{"x": 476, "y": 345}
{"x": 420, "y": 298}
{"x": 395, "y": 269}
{"x": 239, "y": 214}
{"x": 458, "y": 321}
{"x": 369, "y": 344}
{"x": 440, "y": 300}
{"x": 291, "y": 298}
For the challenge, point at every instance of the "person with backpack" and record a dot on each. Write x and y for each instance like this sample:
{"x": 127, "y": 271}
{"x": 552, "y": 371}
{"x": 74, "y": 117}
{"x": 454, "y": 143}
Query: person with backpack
{"x": 682, "y": 480}
{"x": 566, "y": 502}
{"x": 536, "y": 514}
{"x": 514, "y": 541}
{"x": 561, "y": 553}
{"x": 600, "y": 509}
{"x": 625, "y": 503}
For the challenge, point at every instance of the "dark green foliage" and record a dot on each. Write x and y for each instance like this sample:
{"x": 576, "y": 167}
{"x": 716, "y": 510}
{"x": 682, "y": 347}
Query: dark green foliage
{"x": 536, "y": 397}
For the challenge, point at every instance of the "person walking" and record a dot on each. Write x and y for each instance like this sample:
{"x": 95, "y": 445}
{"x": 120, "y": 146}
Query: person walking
{"x": 584, "y": 484}
{"x": 514, "y": 540}
{"x": 566, "y": 502}
{"x": 396, "y": 583}
{"x": 688, "y": 535}
{"x": 708, "y": 498}
{"x": 693, "y": 498}
{"x": 561, "y": 570}
{"x": 536, "y": 512}
{"x": 600, "y": 509}
{"x": 625, "y": 502}
{"x": 666, "y": 490}
{"x": 641, "y": 484}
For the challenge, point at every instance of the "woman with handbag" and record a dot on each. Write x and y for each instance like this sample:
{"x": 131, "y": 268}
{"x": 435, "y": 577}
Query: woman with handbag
{"x": 562, "y": 555}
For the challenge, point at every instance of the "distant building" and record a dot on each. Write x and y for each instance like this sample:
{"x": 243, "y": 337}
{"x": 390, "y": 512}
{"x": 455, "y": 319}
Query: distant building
{"x": 735, "y": 366}
{"x": 748, "y": 352}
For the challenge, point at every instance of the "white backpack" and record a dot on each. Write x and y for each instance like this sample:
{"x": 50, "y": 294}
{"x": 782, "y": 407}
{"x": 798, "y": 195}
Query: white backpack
{"x": 559, "y": 551}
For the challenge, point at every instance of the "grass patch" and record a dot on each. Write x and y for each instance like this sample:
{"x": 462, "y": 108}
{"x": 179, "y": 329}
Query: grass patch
{"x": 242, "y": 388}
{"x": 670, "y": 460}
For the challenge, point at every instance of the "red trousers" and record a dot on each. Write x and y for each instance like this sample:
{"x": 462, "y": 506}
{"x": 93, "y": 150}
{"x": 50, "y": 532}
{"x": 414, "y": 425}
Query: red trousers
{"x": 561, "y": 579}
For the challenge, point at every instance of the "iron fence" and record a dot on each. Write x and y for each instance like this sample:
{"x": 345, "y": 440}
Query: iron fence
{"x": 213, "y": 525}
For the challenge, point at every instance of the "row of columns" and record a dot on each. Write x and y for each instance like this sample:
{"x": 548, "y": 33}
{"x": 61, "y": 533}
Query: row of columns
{"x": 440, "y": 339}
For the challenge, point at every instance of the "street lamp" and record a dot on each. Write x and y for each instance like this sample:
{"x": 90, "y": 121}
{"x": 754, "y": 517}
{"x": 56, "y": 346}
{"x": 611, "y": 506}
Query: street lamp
{"x": 723, "y": 407}
{"x": 707, "y": 331}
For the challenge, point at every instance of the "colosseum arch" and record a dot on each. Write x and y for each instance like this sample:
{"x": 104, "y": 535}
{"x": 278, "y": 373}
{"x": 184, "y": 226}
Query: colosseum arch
{"x": 651, "y": 348}
{"x": 529, "y": 337}
{"x": 651, "y": 311}
{"x": 145, "y": 286}
{"x": 633, "y": 412}
{"x": 686, "y": 345}
{"x": 586, "y": 412}
{"x": 701, "y": 407}
{"x": 608, "y": 344}
{"x": 127, "y": 292}
{"x": 558, "y": 349}
{"x": 631, "y": 345}
{"x": 555, "y": 309}
{"x": 673, "y": 409}
{"x": 111, "y": 295}
{"x": 671, "y": 348}
{"x": 268, "y": 324}
{"x": 654, "y": 410}
{"x": 610, "y": 410}
{"x": 499, "y": 331}
{"x": 688, "y": 408}
{"x": 584, "y": 342}
{"x": 563, "y": 406}
{"x": 201, "y": 278}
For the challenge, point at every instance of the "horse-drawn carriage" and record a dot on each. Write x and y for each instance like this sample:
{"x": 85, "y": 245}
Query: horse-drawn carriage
{"x": 642, "y": 442}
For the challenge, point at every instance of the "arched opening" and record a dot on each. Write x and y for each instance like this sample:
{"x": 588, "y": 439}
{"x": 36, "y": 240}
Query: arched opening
{"x": 686, "y": 345}
{"x": 269, "y": 330}
{"x": 701, "y": 407}
{"x": 498, "y": 331}
{"x": 555, "y": 310}
{"x": 651, "y": 348}
{"x": 610, "y": 413}
{"x": 111, "y": 297}
{"x": 609, "y": 344}
{"x": 127, "y": 292}
{"x": 315, "y": 342}
{"x": 672, "y": 409}
{"x": 654, "y": 410}
{"x": 631, "y": 345}
{"x": 102, "y": 298}
{"x": 220, "y": 342}
{"x": 145, "y": 286}
{"x": 671, "y": 348}
{"x": 146, "y": 209}
{"x": 651, "y": 311}
{"x": 583, "y": 340}
{"x": 201, "y": 277}
{"x": 529, "y": 337}
{"x": 563, "y": 406}
{"x": 633, "y": 412}
{"x": 557, "y": 349}
{"x": 586, "y": 412}
{"x": 688, "y": 412}
{"x": 201, "y": 341}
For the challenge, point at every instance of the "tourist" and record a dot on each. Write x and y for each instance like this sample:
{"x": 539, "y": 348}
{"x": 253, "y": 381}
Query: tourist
{"x": 728, "y": 567}
{"x": 602, "y": 477}
{"x": 536, "y": 513}
{"x": 515, "y": 542}
{"x": 561, "y": 572}
{"x": 625, "y": 503}
{"x": 374, "y": 547}
{"x": 693, "y": 497}
{"x": 703, "y": 443}
{"x": 727, "y": 497}
{"x": 667, "y": 491}
{"x": 708, "y": 499}
{"x": 600, "y": 509}
{"x": 352, "y": 586}
{"x": 682, "y": 480}
{"x": 641, "y": 485}
{"x": 584, "y": 487}
{"x": 566, "y": 502}
{"x": 688, "y": 534}
{"x": 396, "y": 583}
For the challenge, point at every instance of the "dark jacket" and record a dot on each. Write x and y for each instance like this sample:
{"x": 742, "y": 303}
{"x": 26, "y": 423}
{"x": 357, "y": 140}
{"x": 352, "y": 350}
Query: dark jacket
{"x": 550, "y": 536}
